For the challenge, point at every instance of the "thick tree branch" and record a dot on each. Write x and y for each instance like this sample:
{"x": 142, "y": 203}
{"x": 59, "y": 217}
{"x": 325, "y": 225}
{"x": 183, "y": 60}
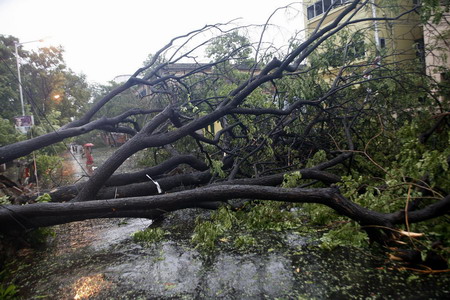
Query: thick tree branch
{"x": 19, "y": 218}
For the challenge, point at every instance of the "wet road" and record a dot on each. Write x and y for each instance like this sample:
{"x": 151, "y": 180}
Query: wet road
{"x": 75, "y": 168}
{"x": 97, "y": 259}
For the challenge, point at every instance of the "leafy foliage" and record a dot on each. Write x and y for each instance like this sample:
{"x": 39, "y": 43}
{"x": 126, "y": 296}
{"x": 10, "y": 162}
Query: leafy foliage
{"x": 8, "y": 134}
{"x": 48, "y": 166}
{"x": 44, "y": 198}
{"x": 9, "y": 292}
{"x": 232, "y": 43}
{"x": 9, "y": 96}
{"x": 349, "y": 235}
{"x": 48, "y": 85}
{"x": 433, "y": 10}
{"x": 149, "y": 235}
{"x": 224, "y": 223}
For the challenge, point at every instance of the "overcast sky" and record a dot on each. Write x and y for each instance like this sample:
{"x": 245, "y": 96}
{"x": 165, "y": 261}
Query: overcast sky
{"x": 107, "y": 38}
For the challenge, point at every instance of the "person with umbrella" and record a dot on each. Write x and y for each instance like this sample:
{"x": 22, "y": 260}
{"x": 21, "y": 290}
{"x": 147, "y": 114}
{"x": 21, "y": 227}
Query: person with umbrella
{"x": 88, "y": 153}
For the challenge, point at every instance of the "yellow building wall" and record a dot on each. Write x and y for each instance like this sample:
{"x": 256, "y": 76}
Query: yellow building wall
{"x": 212, "y": 129}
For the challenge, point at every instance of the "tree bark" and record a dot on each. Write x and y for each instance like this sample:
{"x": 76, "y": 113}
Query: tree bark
{"x": 179, "y": 181}
{"x": 15, "y": 218}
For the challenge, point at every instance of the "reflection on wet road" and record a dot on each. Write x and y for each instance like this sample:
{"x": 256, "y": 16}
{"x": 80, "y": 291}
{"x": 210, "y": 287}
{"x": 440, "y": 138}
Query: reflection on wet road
{"x": 74, "y": 167}
{"x": 97, "y": 259}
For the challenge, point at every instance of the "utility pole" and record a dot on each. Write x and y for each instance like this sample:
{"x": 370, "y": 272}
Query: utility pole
{"x": 16, "y": 46}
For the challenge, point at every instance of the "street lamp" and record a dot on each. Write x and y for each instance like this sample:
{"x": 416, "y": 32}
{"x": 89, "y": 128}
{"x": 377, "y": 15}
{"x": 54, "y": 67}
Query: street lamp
{"x": 16, "y": 45}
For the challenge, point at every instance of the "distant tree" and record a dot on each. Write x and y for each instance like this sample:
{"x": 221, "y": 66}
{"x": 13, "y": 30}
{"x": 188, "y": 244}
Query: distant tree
{"x": 9, "y": 95}
{"x": 232, "y": 43}
{"x": 49, "y": 85}
{"x": 74, "y": 98}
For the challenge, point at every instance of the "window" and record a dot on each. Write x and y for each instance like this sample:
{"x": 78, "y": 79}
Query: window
{"x": 318, "y": 6}
{"x": 326, "y": 4}
{"x": 338, "y": 2}
{"x": 311, "y": 12}
{"x": 321, "y": 6}
{"x": 382, "y": 43}
{"x": 444, "y": 85}
{"x": 420, "y": 49}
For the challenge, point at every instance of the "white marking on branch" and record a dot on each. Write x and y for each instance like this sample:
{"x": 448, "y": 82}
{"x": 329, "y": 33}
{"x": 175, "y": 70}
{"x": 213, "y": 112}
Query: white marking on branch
{"x": 156, "y": 183}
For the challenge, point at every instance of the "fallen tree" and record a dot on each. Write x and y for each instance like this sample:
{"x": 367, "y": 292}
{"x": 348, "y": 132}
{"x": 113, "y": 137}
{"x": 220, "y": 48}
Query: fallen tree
{"x": 47, "y": 214}
{"x": 288, "y": 132}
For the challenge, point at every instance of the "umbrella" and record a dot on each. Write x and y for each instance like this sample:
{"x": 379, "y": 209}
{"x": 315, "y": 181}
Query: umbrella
{"x": 88, "y": 145}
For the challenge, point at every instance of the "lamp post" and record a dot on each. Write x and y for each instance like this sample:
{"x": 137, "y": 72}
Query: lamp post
{"x": 16, "y": 46}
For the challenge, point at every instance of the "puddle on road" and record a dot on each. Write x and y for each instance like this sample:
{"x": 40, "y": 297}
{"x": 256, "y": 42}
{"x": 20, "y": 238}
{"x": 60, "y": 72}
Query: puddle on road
{"x": 94, "y": 235}
{"x": 98, "y": 259}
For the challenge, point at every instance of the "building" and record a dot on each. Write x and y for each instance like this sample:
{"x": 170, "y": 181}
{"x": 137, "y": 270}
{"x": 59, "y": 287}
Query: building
{"x": 114, "y": 139}
{"x": 437, "y": 55}
{"x": 403, "y": 40}
{"x": 396, "y": 40}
